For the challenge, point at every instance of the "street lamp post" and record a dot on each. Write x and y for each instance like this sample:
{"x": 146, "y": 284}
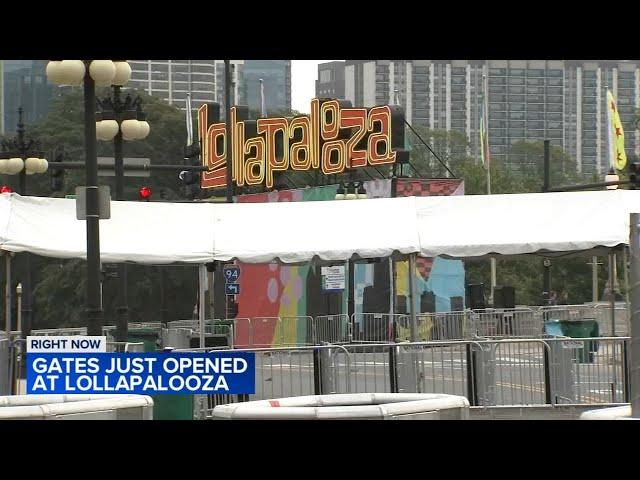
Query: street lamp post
{"x": 90, "y": 73}
{"x": 22, "y": 156}
{"x": 120, "y": 120}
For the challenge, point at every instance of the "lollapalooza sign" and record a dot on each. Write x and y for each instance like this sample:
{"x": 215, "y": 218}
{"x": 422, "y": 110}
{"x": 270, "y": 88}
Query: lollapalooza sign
{"x": 332, "y": 139}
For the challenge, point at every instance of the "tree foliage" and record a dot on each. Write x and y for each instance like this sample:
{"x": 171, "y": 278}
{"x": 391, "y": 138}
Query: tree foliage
{"x": 572, "y": 275}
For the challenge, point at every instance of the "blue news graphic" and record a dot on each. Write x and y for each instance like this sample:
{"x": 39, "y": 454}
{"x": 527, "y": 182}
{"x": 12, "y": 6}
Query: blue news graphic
{"x": 141, "y": 373}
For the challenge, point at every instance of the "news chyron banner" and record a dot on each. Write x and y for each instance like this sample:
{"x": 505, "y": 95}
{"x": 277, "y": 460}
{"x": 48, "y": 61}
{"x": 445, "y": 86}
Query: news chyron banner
{"x": 81, "y": 365}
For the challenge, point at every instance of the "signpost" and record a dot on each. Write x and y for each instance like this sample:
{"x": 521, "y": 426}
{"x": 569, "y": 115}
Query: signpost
{"x": 231, "y": 276}
{"x": 333, "y": 278}
{"x": 143, "y": 163}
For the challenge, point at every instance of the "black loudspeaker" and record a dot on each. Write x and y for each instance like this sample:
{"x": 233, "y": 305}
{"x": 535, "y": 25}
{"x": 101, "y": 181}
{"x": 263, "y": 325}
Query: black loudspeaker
{"x": 401, "y": 305}
{"x": 373, "y": 302}
{"x": 504, "y": 297}
{"x": 428, "y": 302}
{"x": 475, "y": 295}
{"x": 457, "y": 304}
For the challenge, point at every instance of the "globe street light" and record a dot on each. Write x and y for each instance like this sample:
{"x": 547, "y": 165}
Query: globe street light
{"x": 612, "y": 176}
{"x": 119, "y": 120}
{"x": 23, "y": 156}
{"x": 89, "y": 73}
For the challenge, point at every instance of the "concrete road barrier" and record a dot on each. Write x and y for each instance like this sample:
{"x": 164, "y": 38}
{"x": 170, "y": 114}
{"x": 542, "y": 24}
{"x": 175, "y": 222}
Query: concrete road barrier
{"x": 359, "y": 406}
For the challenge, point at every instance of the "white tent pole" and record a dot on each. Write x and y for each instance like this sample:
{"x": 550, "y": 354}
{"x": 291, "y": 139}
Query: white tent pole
{"x": 594, "y": 278}
{"x": 612, "y": 297}
{"x": 202, "y": 270}
{"x": 392, "y": 288}
{"x": 412, "y": 297}
{"x": 634, "y": 251}
{"x": 7, "y": 293}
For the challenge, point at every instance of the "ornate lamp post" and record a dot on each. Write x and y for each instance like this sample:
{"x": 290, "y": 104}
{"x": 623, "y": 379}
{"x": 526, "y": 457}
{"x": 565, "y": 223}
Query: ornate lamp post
{"x": 23, "y": 156}
{"x": 90, "y": 73}
{"x": 120, "y": 120}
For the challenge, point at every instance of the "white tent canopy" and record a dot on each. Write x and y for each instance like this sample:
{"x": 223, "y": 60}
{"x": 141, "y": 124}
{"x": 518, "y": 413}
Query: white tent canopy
{"x": 454, "y": 226}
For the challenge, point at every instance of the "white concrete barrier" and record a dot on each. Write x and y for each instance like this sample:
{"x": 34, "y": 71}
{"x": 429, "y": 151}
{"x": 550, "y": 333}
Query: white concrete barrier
{"x": 613, "y": 413}
{"x": 357, "y": 406}
{"x": 76, "y": 407}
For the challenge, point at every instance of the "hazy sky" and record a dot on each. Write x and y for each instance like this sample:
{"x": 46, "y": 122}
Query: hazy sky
{"x": 304, "y": 74}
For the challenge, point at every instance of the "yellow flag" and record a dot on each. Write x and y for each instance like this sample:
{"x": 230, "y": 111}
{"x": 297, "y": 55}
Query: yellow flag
{"x": 616, "y": 134}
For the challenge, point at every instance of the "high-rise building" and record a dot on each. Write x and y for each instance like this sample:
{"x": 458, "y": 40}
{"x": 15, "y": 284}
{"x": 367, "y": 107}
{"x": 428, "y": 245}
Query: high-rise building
{"x": 560, "y": 100}
{"x": 276, "y": 77}
{"x": 23, "y": 83}
{"x": 173, "y": 79}
{"x": 330, "y": 82}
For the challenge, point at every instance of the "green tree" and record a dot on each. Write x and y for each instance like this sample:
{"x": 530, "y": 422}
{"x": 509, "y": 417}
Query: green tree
{"x": 572, "y": 275}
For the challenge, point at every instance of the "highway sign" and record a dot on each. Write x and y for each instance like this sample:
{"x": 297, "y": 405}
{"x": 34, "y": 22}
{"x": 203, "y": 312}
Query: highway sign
{"x": 232, "y": 289}
{"x": 231, "y": 274}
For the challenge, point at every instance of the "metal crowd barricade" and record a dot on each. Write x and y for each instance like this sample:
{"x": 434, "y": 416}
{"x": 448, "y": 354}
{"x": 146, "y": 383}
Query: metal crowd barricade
{"x": 125, "y": 347}
{"x": 375, "y": 327}
{"x": 264, "y": 332}
{"x": 590, "y": 370}
{"x": 60, "y": 331}
{"x": 567, "y": 312}
{"x": 242, "y": 333}
{"x": 181, "y": 333}
{"x": 294, "y": 331}
{"x": 602, "y": 313}
{"x": 518, "y": 369}
{"x": 489, "y": 372}
{"x": 331, "y": 329}
{"x": 515, "y": 322}
{"x": 5, "y": 361}
{"x": 433, "y": 326}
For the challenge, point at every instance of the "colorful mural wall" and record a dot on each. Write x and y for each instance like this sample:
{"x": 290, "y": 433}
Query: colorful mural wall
{"x": 274, "y": 290}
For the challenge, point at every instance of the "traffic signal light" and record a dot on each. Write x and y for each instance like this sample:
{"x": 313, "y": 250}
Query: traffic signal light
{"x": 57, "y": 174}
{"x": 634, "y": 174}
{"x": 145, "y": 193}
{"x": 191, "y": 179}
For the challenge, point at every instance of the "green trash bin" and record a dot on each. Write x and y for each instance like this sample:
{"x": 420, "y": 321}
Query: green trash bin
{"x": 148, "y": 336}
{"x": 172, "y": 406}
{"x": 165, "y": 407}
{"x": 586, "y": 328}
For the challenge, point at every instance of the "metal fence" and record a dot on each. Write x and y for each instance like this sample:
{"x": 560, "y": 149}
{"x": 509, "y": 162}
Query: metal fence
{"x": 332, "y": 329}
{"x": 496, "y": 372}
{"x": 517, "y": 322}
{"x": 600, "y": 312}
{"x": 5, "y": 357}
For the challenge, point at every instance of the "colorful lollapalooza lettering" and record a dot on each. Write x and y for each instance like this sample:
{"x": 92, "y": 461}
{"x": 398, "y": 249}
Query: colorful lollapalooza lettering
{"x": 331, "y": 139}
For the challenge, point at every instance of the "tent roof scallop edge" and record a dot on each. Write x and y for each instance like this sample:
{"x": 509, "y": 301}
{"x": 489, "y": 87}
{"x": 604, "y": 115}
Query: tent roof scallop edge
{"x": 471, "y": 226}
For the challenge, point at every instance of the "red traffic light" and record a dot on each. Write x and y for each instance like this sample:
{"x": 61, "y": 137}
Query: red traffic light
{"x": 145, "y": 193}
{"x": 6, "y": 189}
